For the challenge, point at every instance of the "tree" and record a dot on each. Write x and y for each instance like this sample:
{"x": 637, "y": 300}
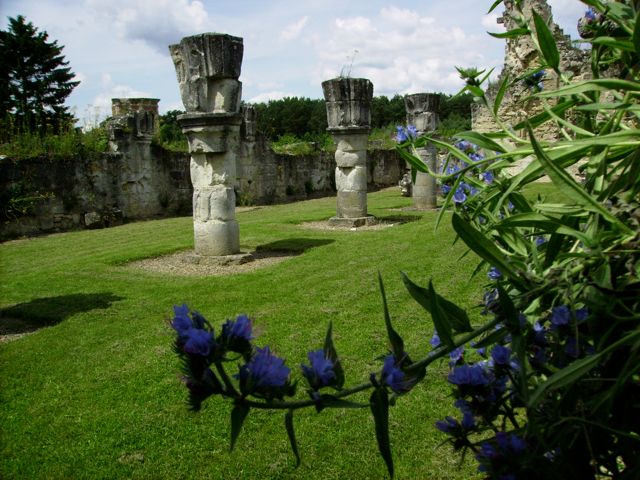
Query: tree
{"x": 34, "y": 80}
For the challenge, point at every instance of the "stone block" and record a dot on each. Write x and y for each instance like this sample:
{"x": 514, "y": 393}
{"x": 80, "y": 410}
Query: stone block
{"x": 351, "y": 179}
{"x": 214, "y": 203}
{"x": 344, "y": 114}
{"x": 212, "y": 138}
{"x": 351, "y": 204}
{"x": 351, "y": 142}
{"x": 93, "y": 220}
{"x": 350, "y": 159}
{"x": 210, "y": 169}
{"x": 422, "y": 102}
{"x": 216, "y": 238}
{"x": 424, "y": 121}
{"x": 200, "y": 61}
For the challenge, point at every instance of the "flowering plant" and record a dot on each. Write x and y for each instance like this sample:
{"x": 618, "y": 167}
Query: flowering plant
{"x": 547, "y": 384}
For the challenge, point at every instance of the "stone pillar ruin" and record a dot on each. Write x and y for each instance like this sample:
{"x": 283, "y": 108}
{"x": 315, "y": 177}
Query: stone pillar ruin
{"x": 208, "y": 67}
{"x": 348, "y": 102}
{"x": 422, "y": 112}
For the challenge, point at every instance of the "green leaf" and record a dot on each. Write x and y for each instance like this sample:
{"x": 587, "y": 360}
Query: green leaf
{"x": 500, "y": 95}
{"x": 495, "y": 4}
{"x": 481, "y": 140}
{"x": 537, "y": 220}
{"x": 636, "y": 34}
{"x": 570, "y": 187}
{"x": 331, "y": 354}
{"x": 379, "y": 402}
{"x": 614, "y": 43}
{"x": 443, "y": 327}
{"x": 475, "y": 91}
{"x": 288, "y": 423}
{"x": 546, "y": 41}
{"x": 329, "y": 401}
{"x": 238, "y": 414}
{"x": 542, "y": 117}
{"x": 595, "y": 85}
{"x": 486, "y": 249}
{"x": 397, "y": 345}
{"x": 516, "y": 32}
{"x": 456, "y": 316}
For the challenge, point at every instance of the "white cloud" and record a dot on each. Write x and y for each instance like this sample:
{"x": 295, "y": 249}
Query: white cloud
{"x": 158, "y": 23}
{"x": 403, "y": 51}
{"x": 274, "y": 95}
{"x": 490, "y": 22}
{"x": 293, "y": 30}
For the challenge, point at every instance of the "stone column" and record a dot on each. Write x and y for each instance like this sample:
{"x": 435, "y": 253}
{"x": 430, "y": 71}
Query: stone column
{"x": 208, "y": 67}
{"x": 422, "y": 112}
{"x": 348, "y": 102}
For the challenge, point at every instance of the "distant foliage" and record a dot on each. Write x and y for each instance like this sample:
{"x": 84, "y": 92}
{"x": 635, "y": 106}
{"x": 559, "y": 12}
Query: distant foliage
{"x": 34, "y": 82}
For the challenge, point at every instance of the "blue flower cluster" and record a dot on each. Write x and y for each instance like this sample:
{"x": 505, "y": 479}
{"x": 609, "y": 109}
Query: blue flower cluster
{"x": 535, "y": 81}
{"x": 464, "y": 189}
{"x": 405, "y": 133}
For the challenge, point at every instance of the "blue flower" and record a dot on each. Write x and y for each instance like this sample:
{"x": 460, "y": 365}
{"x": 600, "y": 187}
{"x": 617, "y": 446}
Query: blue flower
{"x": 240, "y": 328}
{"x": 401, "y": 134}
{"x": 476, "y": 157}
{"x": 181, "y": 323}
{"x": 264, "y": 371}
{"x": 448, "y": 425}
{"x": 540, "y": 241}
{"x": 590, "y": 15}
{"x": 392, "y": 376}
{"x": 501, "y": 355}
{"x": 198, "y": 342}
{"x": 472, "y": 375}
{"x": 560, "y": 316}
{"x": 435, "y": 340}
{"x": 320, "y": 373}
{"x": 488, "y": 177}
{"x": 459, "y": 196}
{"x": 494, "y": 273}
{"x": 456, "y": 356}
{"x": 446, "y": 189}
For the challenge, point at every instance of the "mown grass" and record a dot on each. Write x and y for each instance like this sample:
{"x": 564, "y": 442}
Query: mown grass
{"x": 96, "y": 393}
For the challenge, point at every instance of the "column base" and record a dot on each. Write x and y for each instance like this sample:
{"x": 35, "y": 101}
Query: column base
{"x": 353, "y": 222}
{"x": 218, "y": 260}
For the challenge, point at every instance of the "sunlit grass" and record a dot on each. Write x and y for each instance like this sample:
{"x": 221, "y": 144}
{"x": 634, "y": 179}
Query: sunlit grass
{"x": 95, "y": 392}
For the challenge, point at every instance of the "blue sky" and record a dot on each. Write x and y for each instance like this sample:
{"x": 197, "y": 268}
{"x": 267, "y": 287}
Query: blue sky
{"x": 118, "y": 48}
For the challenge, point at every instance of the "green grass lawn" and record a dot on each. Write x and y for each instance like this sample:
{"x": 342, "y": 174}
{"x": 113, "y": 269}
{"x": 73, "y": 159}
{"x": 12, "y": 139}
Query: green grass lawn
{"x": 96, "y": 392}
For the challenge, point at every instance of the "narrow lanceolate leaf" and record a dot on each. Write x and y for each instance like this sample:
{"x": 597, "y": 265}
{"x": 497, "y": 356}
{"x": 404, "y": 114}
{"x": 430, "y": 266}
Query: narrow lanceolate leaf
{"x": 331, "y": 354}
{"x": 379, "y": 403}
{"x": 238, "y": 414}
{"x": 570, "y": 187}
{"x": 481, "y": 140}
{"x": 546, "y": 41}
{"x": 500, "y": 95}
{"x": 397, "y": 344}
{"x": 495, "y": 4}
{"x": 636, "y": 34}
{"x": 485, "y": 249}
{"x": 288, "y": 423}
{"x": 542, "y": 117}
{"x": 516, "y": 32}
{"x": 440, "y": 322}
{"x": 456, "y": 316}
{"x": 598, "y": 84}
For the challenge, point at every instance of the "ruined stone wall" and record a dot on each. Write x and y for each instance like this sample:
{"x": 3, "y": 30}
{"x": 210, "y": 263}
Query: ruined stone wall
{"x": 107, "y": 189}
{"x": 521, "y": 57}
{"x": 91, "y": 192}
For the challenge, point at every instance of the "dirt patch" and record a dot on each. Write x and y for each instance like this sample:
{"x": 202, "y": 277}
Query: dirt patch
{"x": 181, "y": 264}
{"x": 326, "y": 226}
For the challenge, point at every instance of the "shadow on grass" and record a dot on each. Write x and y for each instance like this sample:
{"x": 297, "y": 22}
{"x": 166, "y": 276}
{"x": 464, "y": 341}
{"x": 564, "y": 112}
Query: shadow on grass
{"x": 398, "y": 218}
{"x": 44, "y": 312}
{"x": 294, "y": 245}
